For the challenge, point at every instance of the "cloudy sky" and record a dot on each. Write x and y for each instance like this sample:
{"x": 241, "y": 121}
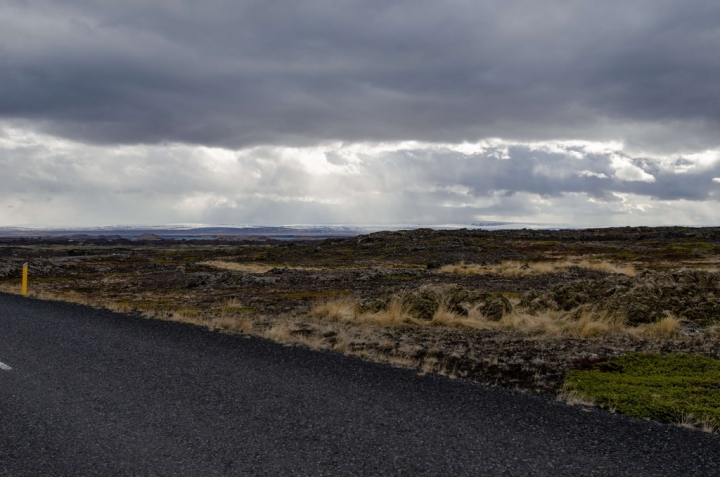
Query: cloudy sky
{"x": 359, "y": 112}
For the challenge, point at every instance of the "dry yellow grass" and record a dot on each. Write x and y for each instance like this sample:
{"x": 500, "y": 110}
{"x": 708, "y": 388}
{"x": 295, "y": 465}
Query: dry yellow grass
{"x": 688, "y": 421}
{"x": 337, "y": 310}
{"x": 279, "y": 332}
{"x": 665, "y": 328}
{"x": 443, "y": 317}
{"x": 248, "y": 267}
{"x": 519, "y": 269}
{"x": 580, "y": 323}
{"x": 234, "y": 323}
{"x": 583, "y": 322}
{"x": 239, "y": 267}
{"x": 574, "y": 398}
{"x": 345, "y": 309}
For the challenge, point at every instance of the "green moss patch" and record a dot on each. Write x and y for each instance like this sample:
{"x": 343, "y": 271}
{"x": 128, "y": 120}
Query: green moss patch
{"x": 664, "y": 388}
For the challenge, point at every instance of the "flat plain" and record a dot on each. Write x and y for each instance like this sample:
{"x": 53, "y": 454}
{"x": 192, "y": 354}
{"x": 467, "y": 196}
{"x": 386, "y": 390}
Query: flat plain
{"x": 521, "y": 309}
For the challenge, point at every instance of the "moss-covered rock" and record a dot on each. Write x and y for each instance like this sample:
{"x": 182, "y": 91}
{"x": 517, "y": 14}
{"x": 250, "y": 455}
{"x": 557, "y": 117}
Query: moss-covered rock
{"x": 649, "y": 296}
{"x": 423, "y": 304}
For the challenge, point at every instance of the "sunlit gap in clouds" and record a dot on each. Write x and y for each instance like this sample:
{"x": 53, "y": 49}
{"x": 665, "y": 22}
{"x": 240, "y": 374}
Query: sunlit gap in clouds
{"x": 49, "y": 181}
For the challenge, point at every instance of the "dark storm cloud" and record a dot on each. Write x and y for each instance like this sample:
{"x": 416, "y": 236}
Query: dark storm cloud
{"x": 239, "y": 73}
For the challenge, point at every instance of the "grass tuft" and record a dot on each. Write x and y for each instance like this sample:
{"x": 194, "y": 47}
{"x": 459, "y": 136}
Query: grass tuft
{"x": 582, "y": 322}
{"x": 574, "y": 398}
{"x": 665, "y": 328}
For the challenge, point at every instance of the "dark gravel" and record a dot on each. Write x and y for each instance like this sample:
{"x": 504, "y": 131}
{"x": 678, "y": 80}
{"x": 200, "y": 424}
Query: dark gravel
{"x": 97, "y": 393}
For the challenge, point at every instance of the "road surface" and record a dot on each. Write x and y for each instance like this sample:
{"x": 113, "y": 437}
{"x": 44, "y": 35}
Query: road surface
{"x": 90, "y": 392}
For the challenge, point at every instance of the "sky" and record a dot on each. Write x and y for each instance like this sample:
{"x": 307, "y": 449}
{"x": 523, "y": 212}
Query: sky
{"x": 569, "y": 112}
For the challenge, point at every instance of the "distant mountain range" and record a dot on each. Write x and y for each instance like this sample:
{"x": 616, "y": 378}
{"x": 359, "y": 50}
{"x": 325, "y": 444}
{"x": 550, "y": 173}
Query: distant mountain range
{"x": 183, "y": 232}
{"x": 236, "y": 232}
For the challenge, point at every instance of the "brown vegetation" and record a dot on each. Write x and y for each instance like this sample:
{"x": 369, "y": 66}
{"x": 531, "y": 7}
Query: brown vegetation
{"x": 395, "y": 297}
{"x": 248, "y": 267}
{"x": 582, "y": 322}
{"x": 517, "y": 269}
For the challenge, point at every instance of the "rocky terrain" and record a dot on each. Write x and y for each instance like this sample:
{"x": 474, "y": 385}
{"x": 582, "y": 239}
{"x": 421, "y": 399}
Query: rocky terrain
{"x": 440, "y": 301}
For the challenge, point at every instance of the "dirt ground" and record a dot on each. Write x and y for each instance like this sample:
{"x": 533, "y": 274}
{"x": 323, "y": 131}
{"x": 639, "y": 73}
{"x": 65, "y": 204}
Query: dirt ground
{"x": 513, "y": 308}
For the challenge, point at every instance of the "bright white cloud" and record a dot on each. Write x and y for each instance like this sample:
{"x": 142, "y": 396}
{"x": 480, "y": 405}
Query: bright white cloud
{"x": 50, "y": 181}
{"x": 626, "y": 171}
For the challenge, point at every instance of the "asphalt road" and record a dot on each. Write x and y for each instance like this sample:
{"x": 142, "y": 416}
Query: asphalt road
{"x": 97, "y": 393}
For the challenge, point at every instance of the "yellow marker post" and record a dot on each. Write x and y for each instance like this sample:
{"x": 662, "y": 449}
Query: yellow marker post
{"x": 24, "y": 279}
